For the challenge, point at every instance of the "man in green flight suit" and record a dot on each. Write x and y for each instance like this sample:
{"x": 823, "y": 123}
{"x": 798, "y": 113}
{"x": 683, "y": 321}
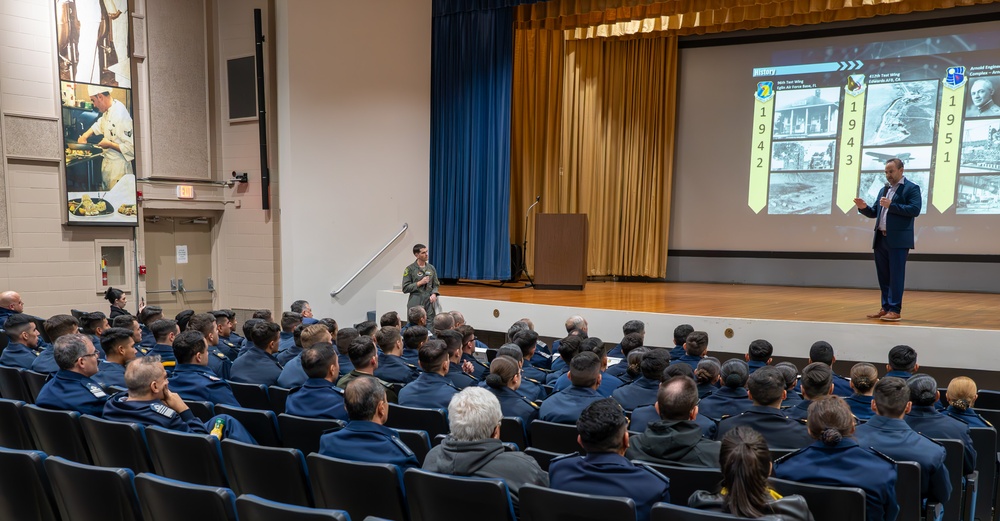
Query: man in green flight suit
{"x": 421, "y": 282}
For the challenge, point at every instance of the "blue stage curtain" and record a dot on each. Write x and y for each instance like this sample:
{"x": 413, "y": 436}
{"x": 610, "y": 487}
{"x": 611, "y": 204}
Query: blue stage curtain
{"x": 471, "y": 68}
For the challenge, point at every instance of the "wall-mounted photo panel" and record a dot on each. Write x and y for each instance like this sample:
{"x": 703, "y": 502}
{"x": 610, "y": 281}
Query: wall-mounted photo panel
{"x": 92, "y": 41}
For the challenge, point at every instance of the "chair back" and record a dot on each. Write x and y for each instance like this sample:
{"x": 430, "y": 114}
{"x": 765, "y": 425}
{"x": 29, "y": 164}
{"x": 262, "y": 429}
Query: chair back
{"x": 512, "y": 431}
{"x": 908, "y": 490}
{"x": 685, "y": 481}
{"x": 13, "y": 429}
{"x": 671, "y": 512}
{"x": 25, "y": 492}
{"x": 253, "y": 508}
{"x": 348, "y": 485}
{"x": 554, "y": 437}
{"x": 304, "y": 433}
{"x": 546, "y": 504}
{"x": 251, "y": 396}
{"x": 34, "y": 382}
{"x": 542, "y": 457}
{"x": 988, "y": 399}
{"x": 12, "y": 386}
{"x": 262, "y": 424}
{"x": 201, "y": 462}
{"x": 418, "y": 441}
{"x": 954, "y": 461}
{"x": 117, "y": 444}
{"x": 433, "y": 421}
{"x": 204, "y": 411}
{"x": 164, "y": 499}
{"x": 984, "y": 439}
{"x": 827, "y": 503}
{"x": 274, "y": 473}
{"x": 90, "y": 493}
{"x": 277, "y": 396}
{"x": 57, "y": 433}
{"x": 439, "y": 497}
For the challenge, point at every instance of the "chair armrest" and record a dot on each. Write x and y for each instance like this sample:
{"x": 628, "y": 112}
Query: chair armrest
{"x": 969, "y": 496}
{"x": 933, "y": 511}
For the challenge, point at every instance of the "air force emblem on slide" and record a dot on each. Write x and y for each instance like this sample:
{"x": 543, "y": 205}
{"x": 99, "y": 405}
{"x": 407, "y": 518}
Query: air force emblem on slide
{"x": 955, "y": 77}
{"x": 765, "y": 91}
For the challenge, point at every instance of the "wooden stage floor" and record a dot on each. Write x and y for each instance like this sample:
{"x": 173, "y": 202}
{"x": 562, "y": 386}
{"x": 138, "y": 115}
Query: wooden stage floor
{"x": 838, "y": 305}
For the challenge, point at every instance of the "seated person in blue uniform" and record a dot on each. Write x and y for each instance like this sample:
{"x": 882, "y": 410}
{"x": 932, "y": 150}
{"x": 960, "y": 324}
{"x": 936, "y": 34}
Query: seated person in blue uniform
{"x": 132, "y": 324}
{"x": 759, "y": 354}
{"x": 258, "y": 365}
{"x": 432, "y": 389}
{"x": 681, "y": 333}
{"x": 232, "y": 333}
{"x": 93, "y": 324}
{"x": 568, "y": 348}
{"x": 366, "y": 438}
{"x": 364, "y": 356}
{"x": 413, "y": 338}
{"x": 889, "y": 434}
{"x": 629, "y": 343}
{"x": 608, "y": 383}
{"x": 247, "y": 342}
{"x": 295, "y": 349}
{"x": 303, "y": 308}
{"x": 224, "y": 328}
{"x": 565, "y": 406}
{"x": 459, "y": 319}
{"x": 632, "y": 327}
{"x": 218, "y": 362}
{"x": 695, "y": 348}
{"x": 391, "y": 365}
{"x": 503, "y": 381}
{"x": 10, "y": 304}
{"x": 150, "y": 402}
{"x": 192, "y": 378}
{"x": 902, "y": 362}
{"x": 289, "y": 321}
{"x": 147, "y": 316}
{"x": 643, "y": 416}
{"x": 415, "y": 316}
{"x": 604, "y": 471}
{"x": 791, "y": 374}
{"x": 292, "y": 374}
{"x": 864, "y": 376}
{"x": 746, "y": 465}
{"x": 575, "y": 326}
{"x": 164, "y": 331}
{"x": 442, "y": 322}
{"x": 675, "y": 439}
{"x": 459, "y": 371}
{"x": 119, "y": 349}
{"x": 538, "y": 364}
{"x": 22, "y": 348}
{"x": 344, "y": 338}
{"x": 390, "y": 319}
{"x": 816, "y": 382}
{"x": 479, "y": 369}
{"x": 530, "y": 389}
{"x": 55, "y": 327}
{"x": 732, "y": 398}
{"x": 927, "y": 420}
{"x": 962, "y": 394}
{"x": 707, "y": 375}
{"x": 836, "y": 459}
{"x": 319, "y": 396}
{"x": 822, "y": 352}
{"x": 643, "y": 391}
{"x": 766, "y": 387}
{"x": 72, "y": 389}
{"x": 473, "y": 448}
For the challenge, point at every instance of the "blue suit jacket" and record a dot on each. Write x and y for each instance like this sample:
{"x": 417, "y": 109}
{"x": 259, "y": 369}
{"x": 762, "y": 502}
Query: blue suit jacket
{"x": 906, "y": 204}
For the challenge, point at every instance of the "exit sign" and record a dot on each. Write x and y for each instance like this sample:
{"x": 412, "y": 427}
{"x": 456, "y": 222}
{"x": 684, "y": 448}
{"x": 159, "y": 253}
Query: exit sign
{"x": 185, "y": 192}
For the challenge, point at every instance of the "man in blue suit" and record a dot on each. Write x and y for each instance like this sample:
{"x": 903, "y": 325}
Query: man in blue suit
{"x": 898, "y": 204}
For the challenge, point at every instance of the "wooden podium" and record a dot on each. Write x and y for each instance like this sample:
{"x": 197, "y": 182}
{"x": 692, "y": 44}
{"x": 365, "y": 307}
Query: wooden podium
{"x": 561, "y": 251}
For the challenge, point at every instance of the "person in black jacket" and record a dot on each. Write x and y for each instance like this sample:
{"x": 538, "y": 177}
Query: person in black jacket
{"x": 118, "y": 302}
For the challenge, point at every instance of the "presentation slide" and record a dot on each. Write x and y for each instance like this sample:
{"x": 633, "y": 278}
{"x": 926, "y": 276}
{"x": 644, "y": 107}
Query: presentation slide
{"x": 803, "y": 127}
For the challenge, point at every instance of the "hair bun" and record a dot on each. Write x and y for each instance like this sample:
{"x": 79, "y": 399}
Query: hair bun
{"x": 494, "y": 380}
{"x": 831, "y": 436}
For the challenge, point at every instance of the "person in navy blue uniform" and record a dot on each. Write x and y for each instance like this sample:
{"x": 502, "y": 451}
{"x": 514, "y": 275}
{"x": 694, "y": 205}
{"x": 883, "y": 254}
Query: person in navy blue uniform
{"x": 575, "y": 326}
{"x": 902, "y": 362}
{"x": 432, "y": 389}
{"x": 165, "y": 331}
{"x": 149, "y": 401}
{"x": 681, "y": 333}
{"x": 632, "y": 327}
{"x": 119, "y": 345}
{"x": 391, "y": 366}
{"x": 366, "y": 438}
{"x": 192, "y": 379}
{"x": 364, "y": 356}
{"x": 93, "y": 324}
{"x": 707, "y": 375}
{"x": 218, "y": 362}
{"x": 732, "y": 398}
{"x": 930, "y": 422}
{"x": 292, "y": 375}
{"x": 413, "y": 338}
{"x": 531, "y": 389}
{"x": 565, "y": 406}
{"x": 128, "y": 322}
{"x": 415, "y": 316}
{"x": 608, "y": 383}
{"x": 604, "y": 471}
{"x": 816, "y": 382}
{"x": 899, "y": 203}
{"x": 459, "y": 319}
{"x": 479, "y": 369}
{"x": 459, "y": 371}
{"x": 962, "y": 394}
{"x": 55, "y": 327}
{"x": 629, "y": 343}
{"x": 758, "y": 354}
{"x": 503, "y": 381}
{"x": 344, "y": 338}
{"x": 539, "y": 364}
{"x": 292, "y": 351}
{"x": 258, "y": 365}
{"x": 889, "y": 434}
{"x": 822, "y": 351}
{"x": 289, "y": 321}
{"x": 224, "y": 330}
{"x": 22, "y": 348}
{"x": 568, "y": 348}
{"x": 766, "y": 387}
{"x": 864, "y": 376}
{"x": 319, "y": 396}
{"x": 836, "y": 459}
{"x": 791, "y": 374}
{"x": 643, "y": 391}
{"x": 695, "y": 348}
{"x": 147, "y": 316}
{"x": 674, "y": 438}
{"x": 303, "y": 308}
{"x": 72, "y": 389}
{"x": 10, "y": 304}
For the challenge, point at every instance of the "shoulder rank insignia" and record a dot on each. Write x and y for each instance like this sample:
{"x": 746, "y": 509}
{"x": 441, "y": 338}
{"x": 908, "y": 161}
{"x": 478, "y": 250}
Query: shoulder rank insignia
{"x": 163, "y": 410}
{"x": 96, "y": 390}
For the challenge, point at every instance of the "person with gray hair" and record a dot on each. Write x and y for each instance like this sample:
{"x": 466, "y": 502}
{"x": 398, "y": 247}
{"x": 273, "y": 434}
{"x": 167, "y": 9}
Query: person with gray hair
{"x": 72, "y": 389}
{"x": 474, "y": 449}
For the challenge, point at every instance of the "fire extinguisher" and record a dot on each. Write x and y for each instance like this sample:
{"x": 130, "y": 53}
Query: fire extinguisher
{"x": 104, "y": 272}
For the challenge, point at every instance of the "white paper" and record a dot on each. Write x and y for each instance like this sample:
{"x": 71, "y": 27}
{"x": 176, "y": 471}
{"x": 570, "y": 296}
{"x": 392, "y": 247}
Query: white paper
{"x": 182, "y": 254}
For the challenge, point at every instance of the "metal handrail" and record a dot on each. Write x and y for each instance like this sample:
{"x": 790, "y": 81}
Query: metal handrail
{"x": 335, "y": 292}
